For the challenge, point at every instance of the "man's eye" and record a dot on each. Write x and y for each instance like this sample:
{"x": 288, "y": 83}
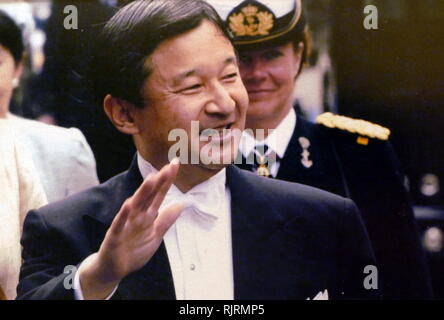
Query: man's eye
{"x": 193, "y": 87}
{"x": 230, "y": 76}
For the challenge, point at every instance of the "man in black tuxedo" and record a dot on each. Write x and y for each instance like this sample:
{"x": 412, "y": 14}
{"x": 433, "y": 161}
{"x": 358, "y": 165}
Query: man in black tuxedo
{"x": 164, "y": 230}
{"x": 348, "y": 157}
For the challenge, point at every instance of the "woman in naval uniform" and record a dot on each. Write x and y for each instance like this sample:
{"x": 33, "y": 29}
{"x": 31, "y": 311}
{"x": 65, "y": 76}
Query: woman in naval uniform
{"x": 349, "y": 157}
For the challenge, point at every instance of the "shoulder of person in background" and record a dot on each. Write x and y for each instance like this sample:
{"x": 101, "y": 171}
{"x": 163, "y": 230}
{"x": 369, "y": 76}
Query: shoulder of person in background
{"x": 376, "y": 183}
{"x": 62, "y": 156}
{"x": 361, "y": 137}
{"x": 364, "y": 130}
{"x": 18, "y": 170}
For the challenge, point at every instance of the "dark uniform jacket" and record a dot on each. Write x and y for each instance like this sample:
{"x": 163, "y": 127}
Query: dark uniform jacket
{"x": 289, "y": 242}
{"x": 369, "y": 175}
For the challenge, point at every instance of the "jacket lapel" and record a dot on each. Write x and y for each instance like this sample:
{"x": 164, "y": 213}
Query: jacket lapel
{"x": 154, "y": 280}
{"x": 276, "y": 252}
{"x": 254, "y": 224}
{"x": 325, "y": 172}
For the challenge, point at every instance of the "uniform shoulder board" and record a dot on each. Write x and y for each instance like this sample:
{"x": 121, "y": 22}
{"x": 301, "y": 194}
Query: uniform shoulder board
{"x": 364, "y": 129}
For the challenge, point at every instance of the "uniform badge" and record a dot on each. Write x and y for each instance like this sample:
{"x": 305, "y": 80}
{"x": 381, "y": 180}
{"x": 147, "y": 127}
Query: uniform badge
{"x": 305, "y": 144}
{"x": 250, "y": 21}
{"x": 362, "y": 128}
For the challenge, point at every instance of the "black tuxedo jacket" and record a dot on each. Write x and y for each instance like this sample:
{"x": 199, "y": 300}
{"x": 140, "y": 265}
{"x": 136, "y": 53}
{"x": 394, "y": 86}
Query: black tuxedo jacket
{"x": 370, "y": 175}
{"x": 289, "y": 242}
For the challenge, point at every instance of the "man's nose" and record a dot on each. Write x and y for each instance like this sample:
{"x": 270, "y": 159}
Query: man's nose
{"x": 221, "y": 102}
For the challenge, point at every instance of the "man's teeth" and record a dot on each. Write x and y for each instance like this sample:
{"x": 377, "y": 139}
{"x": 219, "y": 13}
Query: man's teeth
{"x": 211, "y": 131}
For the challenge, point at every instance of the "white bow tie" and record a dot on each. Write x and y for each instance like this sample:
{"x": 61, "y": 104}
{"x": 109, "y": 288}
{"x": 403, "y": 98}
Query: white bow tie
{"x": 206, "y": 199}
{"x": 205, "y": 204}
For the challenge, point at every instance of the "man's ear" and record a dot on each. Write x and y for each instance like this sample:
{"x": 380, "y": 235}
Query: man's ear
{"x": 119, "y": 112}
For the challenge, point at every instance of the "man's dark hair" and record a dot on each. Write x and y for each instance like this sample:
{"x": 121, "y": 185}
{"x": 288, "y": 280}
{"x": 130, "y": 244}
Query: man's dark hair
{"x": 11, "y": 37}
{"x": 120, "y": 66}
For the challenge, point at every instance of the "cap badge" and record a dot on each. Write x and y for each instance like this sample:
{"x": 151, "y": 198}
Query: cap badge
{"x": 251, "y": 22}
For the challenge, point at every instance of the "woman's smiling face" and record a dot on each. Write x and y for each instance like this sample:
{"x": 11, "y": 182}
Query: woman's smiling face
{"x": 269, "y": 75}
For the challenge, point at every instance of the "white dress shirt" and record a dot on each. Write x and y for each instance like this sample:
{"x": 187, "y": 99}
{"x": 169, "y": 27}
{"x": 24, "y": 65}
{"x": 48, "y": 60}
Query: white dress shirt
{"x": 198, "y": 244}
{"x": 277, "y": 140}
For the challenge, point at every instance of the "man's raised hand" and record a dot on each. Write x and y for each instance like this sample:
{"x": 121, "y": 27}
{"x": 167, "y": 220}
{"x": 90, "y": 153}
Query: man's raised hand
{"x": 134, "y": 236}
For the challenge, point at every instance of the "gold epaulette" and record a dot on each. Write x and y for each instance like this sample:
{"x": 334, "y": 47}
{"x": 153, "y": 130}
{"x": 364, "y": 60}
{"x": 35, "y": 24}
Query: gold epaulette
{"x": 358, "y": 126}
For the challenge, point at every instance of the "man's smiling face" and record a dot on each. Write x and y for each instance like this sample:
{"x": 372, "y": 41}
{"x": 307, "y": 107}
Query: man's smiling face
{"x": 195, "y": 77}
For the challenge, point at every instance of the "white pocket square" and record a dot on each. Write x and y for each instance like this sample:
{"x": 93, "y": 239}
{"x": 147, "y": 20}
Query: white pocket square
{"x": 321, "y": 296}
